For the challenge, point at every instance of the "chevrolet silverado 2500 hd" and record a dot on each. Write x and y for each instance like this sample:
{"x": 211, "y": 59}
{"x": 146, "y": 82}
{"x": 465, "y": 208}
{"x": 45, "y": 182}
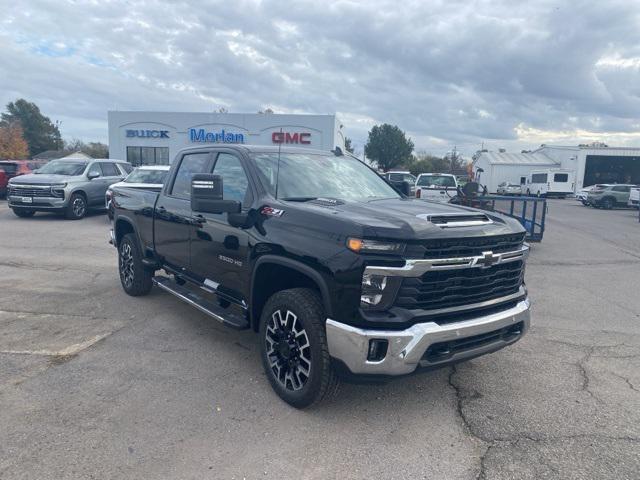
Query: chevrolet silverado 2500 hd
{"x": 338, "y": 273}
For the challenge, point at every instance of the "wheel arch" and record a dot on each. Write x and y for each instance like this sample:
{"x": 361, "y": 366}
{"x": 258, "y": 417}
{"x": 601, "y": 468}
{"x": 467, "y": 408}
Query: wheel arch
{"x": 281, "y": 273}
{"x": 123, "y": 226}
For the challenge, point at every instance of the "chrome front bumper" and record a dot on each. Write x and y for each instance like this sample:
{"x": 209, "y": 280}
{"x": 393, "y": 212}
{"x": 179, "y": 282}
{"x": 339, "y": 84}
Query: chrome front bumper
{"x": 406, "y": 348}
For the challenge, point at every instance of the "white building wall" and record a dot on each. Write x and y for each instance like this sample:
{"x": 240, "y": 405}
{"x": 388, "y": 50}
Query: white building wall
{"x": 177, "y": 130}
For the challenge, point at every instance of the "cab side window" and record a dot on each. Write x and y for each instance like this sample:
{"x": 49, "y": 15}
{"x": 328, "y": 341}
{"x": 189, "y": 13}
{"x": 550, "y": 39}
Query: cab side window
{"x": 234, "y": 181}
{"x": 190, "y": 164}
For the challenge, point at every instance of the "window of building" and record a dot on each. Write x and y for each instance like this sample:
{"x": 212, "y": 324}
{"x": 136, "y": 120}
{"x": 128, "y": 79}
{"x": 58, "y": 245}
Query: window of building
{"x": 234, "y": 180}
{"x": 561, "y": 177}
{"x": 192, "y": 163}
{"x": 137, "y": 156}
{"x": 539, "y": 178}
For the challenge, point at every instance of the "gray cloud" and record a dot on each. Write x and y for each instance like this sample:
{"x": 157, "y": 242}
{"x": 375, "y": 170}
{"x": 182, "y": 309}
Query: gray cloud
{"x": 448, "y": 72}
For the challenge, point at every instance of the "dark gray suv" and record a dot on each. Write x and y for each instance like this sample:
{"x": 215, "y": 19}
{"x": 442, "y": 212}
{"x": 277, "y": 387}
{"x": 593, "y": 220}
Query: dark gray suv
{"x": 69, "y": 186}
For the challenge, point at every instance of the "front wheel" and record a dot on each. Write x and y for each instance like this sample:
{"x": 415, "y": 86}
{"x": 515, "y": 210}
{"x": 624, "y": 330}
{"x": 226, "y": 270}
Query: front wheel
{"x": 77, "y": 207}
{"x": 294, "y": 348}
{"x": 136, "y": 280}
{"x": 23, "y": 212}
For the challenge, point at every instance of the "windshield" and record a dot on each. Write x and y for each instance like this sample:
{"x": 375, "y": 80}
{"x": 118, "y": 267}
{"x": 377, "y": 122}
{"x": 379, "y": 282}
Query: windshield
{"x": 147, "y": 176}
{"x": 436, "y": 181}
{"x": 60, "y": 167}
{"x": 305, "y": 176}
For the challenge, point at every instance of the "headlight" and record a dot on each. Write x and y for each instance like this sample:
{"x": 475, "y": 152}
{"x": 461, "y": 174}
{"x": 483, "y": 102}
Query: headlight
{"x": 372, "y": 289}
{"x": 57, "y": 189}
{"x": 378, "y": 291}
{"x": 359, "y": 245}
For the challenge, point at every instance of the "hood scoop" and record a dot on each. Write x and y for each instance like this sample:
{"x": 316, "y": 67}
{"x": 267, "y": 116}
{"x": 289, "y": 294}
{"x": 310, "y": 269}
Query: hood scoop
{"x": 454, "y": 220}
{"x": 326, "y": 202}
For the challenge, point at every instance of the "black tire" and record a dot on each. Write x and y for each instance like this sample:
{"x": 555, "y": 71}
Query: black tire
{"x": 23, "y": 212}
{"x": 528, "y": 192}
{"x": 136, "y": 280}
{"x": 293, "y": 340}
{"x": 584, "y": 202}
{"x": 608, "y": 203}
{"x": 77, "y": 207}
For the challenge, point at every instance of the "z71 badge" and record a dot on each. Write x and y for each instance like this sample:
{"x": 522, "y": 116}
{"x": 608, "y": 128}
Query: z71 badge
{"x": 271, "y": 212}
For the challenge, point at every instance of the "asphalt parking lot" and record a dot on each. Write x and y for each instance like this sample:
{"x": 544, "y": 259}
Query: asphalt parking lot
{"x": 96, "y": 384}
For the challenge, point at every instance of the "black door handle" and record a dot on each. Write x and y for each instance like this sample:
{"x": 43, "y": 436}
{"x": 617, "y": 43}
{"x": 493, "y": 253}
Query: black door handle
{"x": 161, "y": 209}
{"x": 199, "y": 219}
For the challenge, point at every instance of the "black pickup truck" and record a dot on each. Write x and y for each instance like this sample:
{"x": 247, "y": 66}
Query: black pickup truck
{"x": 340, "y": 275}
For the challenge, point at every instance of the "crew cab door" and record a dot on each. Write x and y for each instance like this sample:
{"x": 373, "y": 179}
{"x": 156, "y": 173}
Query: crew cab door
{"x": 172, "y": 217}
{"x": 219, "y": 251}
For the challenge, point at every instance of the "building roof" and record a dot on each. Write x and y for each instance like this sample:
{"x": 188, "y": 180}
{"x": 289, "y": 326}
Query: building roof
{"x": 49, "y": 155}
{"x": 507, "y": 158}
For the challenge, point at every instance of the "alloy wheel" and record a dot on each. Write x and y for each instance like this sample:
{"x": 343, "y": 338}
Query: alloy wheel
{"x": 288, "y": 350}
{"x": 78, "y": 207}
{"x": 126, "y": 265}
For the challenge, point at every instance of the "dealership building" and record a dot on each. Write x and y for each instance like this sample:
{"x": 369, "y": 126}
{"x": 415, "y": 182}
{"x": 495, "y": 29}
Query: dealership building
{"x": 591, "y": 164}
{"x": 154, "y": 138}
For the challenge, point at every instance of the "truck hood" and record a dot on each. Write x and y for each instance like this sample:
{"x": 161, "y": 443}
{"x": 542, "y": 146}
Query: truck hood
{"x": 404, "y": 219}
{"x": 41, "y": 179}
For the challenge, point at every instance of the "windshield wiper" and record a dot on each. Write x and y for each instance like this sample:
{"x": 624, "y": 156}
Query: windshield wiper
{"x": 298, "y": 199}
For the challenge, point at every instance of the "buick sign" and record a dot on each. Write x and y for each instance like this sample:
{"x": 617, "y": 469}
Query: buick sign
{"x": 148, "y": 133}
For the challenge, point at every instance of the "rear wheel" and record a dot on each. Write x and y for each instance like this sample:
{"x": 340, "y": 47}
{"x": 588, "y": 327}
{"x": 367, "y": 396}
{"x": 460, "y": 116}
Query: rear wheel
{"x": 136, "y": 280}
{"x": 23, "y": 212}
{"x": 294, "y": 348}
{"x": 77, "y": 207}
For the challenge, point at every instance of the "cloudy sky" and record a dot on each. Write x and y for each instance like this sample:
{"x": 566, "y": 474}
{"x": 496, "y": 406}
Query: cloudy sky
{"x": 507, "y": 73}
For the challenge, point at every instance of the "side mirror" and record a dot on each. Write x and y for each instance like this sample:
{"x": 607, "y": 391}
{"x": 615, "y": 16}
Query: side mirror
{"x": 206, "y": 195}
{"x": 92, "y": 175}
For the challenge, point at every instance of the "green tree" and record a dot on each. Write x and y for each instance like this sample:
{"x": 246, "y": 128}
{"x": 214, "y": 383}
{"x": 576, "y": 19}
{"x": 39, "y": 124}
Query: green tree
{"x": 38, "y": 130}
{"x": 388, "y": 146}
{"x": 347, "y": 145}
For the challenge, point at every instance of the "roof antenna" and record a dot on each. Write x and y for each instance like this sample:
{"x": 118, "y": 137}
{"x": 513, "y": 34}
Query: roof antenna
{"x": 278, "y": 167}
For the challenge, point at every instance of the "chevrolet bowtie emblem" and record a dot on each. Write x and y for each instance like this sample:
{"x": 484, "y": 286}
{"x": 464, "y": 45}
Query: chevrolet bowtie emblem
{"x": 487, "y": 259}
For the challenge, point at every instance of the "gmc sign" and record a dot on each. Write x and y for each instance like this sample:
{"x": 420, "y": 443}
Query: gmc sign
{"x": 286, "y": 137}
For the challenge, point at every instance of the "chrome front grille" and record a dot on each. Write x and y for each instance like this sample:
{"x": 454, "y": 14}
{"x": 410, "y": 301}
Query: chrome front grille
{"x": 30, "y": 190}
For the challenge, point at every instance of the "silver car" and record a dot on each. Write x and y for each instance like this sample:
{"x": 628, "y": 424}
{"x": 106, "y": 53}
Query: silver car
{"x": 69, "y": 186}
{"x": 507, "y": 188}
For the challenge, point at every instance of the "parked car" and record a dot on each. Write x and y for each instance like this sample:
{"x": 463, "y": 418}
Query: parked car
{"x": 150, "y": 177}
{"x": 440, "y": 187}
{"x": 583, "y": 193}
{"x": 608, "y": 196}
{"x": 397, "y": 178}
{"x": 508, "y": 188}
{"x": 550, "y": 182}
{"x": 15, "y": 168}
{"x": 336, "y": 280}
{"x": 69, "y": 186}
{"x": 634, "y": 197}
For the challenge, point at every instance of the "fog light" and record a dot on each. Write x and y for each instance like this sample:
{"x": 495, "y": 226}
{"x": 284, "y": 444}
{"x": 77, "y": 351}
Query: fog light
{"x": 377, "y": 349}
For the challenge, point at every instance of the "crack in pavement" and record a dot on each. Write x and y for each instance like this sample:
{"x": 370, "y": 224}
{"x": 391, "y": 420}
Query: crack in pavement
{"x": 513, "y": 440}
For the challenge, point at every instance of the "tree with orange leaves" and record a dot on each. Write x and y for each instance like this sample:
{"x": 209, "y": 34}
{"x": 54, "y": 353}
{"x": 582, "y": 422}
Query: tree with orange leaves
{"x": 12, "y": 143}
